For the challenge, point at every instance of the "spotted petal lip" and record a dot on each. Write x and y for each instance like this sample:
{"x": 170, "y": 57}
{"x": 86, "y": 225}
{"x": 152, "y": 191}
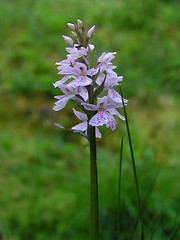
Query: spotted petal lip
{"x": 103, "y": 117}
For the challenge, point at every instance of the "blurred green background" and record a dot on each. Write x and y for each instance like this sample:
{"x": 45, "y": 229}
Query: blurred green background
{"x": 44, "y": 171}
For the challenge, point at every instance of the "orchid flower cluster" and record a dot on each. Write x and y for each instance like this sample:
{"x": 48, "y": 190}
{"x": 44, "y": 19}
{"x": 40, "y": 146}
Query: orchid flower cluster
{"x": 89, "y": 81}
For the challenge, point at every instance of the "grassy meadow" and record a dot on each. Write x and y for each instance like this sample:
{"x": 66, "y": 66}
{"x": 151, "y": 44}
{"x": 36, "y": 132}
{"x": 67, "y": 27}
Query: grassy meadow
{"x": 44, "y": 171}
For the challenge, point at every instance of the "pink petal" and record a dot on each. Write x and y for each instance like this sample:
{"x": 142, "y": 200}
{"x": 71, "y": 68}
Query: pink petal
{"x": 60, "y": 82}
{"x": 98, "y": 134}
{"x": 102, "y": 102}
{"x": 80, "y": 81}
{"x": 83, "y": 93}
{"x": 62, "y": 102}
{"x": 58, "y": 125}
{"x": 90, "y": 107}
{"x": 80, "y": 115}
{"x": 81, "y": 126}
{"x": 112, "y": 122}
{"x": 92, "y": 71}
{"x": 115, "y": 112}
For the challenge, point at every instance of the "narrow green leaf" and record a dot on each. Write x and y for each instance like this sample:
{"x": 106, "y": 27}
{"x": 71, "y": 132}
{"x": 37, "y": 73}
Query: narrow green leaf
{"x": 134, "y": 165}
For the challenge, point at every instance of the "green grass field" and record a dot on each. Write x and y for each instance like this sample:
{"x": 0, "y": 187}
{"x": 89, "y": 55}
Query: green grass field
{"x": 44, "y": 171}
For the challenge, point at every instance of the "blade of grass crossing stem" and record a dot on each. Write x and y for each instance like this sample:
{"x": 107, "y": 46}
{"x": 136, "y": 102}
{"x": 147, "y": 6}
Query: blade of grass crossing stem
{"x": 119, "y": 191}
{"x": 134, "y": 165}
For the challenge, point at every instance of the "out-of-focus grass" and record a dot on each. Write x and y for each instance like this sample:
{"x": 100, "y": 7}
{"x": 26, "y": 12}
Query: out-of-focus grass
{"x": 44, "y": 171}
{"x": 145, "y": 35}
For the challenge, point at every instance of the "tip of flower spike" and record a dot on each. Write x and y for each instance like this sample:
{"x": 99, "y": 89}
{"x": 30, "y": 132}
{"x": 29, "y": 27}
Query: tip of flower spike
{"x": 71, "y": 26}
{"x": 79, "y": 23}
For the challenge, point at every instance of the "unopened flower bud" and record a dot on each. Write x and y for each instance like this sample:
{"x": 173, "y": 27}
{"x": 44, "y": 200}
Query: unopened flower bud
{"x": 79, "y": 23}
{"x": 91, "y": 31}
{"x": 74, "y": 34}
{"x": 71, "y": 26}
{"x": 91, "y": 47}
{"x": 68, "y": 41}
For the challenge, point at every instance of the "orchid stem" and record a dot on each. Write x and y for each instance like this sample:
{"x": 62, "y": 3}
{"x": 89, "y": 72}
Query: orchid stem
{"x": 93, "y": 185}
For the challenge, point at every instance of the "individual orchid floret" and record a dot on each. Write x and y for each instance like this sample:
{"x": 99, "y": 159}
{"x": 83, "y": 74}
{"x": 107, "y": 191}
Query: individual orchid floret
{"x": 61, "y": 82}
{"x": 69, "y": 93}
{"x": 105, "y": 58}
{"x": 74, "y": 34}
{"x": 80, "y": 73}
{"x": 110, "y": 76}
{"x": 90, "y": 32}
{"x": 84, "y": 125}
{"x": 113, "y": 94}
{"x": 77, "y": 51}
{"x": 71, "y": 26}
{"x": 91, "y": 47}
{"x": 68, "y": 41}
{"x": 79, "y": 24}
{"x": 105, "y": 67}
{"x": 103, "y": 116}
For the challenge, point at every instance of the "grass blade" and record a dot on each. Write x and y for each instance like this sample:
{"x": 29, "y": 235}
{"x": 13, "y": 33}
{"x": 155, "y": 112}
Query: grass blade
{"x": 145, "y": 200}
{"x": 134, "y": 165}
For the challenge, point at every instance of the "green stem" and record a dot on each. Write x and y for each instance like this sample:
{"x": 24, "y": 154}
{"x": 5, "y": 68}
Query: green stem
{"x": 94, "y": 185}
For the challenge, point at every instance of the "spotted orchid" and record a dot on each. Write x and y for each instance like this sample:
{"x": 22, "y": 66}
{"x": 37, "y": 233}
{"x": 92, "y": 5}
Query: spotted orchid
{"x": 89, "y": 81}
